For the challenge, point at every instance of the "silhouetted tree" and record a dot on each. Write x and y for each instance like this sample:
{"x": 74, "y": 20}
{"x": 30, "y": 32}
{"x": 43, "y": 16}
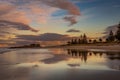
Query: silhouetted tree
{"x": 100, "y": 40}
{"x": 94, "y": 41}
{"x": 118, "y": 33}
{"x": 75, "y": 41}
{"x": 111, "y": 37}
{"x": 81, "y": 37}
{"x": 35, "y": 45}
{"x": 68, "y": 43}
{"x": 90, "y": 41}
{"x": 72, "y": 41}
{"x": 107, "y": 40}
{"x": 84, "y": 38}
{"x": 79, "y": 41}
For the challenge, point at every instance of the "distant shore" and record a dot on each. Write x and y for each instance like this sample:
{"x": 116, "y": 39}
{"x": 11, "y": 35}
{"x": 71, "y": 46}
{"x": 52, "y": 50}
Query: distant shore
{"x": 109, "y": 47}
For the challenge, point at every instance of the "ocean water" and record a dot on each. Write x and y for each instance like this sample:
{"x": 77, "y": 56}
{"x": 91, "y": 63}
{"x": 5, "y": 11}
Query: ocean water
{"x": 2, "y": 50}
{"x": 59, "y": 64}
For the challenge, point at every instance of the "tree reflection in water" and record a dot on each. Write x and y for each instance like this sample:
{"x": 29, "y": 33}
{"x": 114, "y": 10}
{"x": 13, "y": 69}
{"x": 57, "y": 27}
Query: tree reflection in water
{"x": 112, "y": 58}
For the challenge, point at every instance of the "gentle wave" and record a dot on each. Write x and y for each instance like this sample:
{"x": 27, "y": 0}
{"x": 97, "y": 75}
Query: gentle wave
{"x": 2, "y": 50}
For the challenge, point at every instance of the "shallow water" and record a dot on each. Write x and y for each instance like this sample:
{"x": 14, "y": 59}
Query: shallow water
{"x": 59, "y": 64}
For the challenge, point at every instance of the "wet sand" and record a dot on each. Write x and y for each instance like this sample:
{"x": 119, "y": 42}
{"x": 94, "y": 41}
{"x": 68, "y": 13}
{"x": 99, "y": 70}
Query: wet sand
{"x": 85, "y": 47}
{"x": 53, "y": 64}
{"x": 70, "y": 74}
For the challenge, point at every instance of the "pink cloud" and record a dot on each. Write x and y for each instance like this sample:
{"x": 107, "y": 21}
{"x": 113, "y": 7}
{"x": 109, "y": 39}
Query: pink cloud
{"x": 26, "y": 10}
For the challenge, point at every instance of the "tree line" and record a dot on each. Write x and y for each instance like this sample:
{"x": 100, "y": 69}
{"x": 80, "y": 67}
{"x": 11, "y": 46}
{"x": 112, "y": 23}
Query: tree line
{"x": 84, "y": 40}
{"x": 114, "y": 37}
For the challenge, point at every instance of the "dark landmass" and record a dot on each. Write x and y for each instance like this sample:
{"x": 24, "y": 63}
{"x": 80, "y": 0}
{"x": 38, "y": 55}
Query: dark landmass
{"x": 29, "y": 46}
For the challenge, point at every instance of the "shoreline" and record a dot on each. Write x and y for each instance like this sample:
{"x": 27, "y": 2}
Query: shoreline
{"x": 90, "y": 47}
{"x": 82, "y": 47}
{"x": 115, "y": 48}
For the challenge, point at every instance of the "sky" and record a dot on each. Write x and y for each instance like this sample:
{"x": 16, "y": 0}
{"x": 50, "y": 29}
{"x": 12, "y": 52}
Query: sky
{"x": 54, "y": 21}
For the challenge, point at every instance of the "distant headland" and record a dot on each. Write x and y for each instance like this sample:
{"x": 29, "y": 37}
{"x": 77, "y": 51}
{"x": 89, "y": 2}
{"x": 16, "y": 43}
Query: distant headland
{"x": 28, "y": 46}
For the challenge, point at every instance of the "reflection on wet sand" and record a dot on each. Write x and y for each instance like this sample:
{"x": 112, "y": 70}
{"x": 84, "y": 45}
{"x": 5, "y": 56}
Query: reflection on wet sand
{"x": 78, "y": 53}
{"x": 59, "y": 64}
{"x": 83, "y": 55}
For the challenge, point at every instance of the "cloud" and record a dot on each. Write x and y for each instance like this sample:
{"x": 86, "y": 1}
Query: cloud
{"x": 5, "y": 9}
{"x": 73, "y": 31}
{"x": 6, "y": 42}
{"x": 17, "y": 15}
{"x": 63, "y": 4}
{"x": 71, "y": 8}
{"x": 41, "y": 10}
{"x": 19, "y": 26}
{"x": 11, "y": 13}
{"x": 9, "y": 30}
{"x": 53, "y": 37}
{"x": 71, "y": 19}
{"x": 68, "y": 6}
{"x": 45, "y": 37}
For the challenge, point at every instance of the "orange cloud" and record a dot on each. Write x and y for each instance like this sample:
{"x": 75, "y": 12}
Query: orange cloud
{"x": 17, "y": 17}
{"x": 5, "y": 8}
{"x": 10, "y": 13}
{"x": 3, "y": 45}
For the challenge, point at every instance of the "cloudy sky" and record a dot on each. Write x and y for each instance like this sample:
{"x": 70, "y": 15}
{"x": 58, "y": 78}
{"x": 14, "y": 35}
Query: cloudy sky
{"x": 29, "y": 21}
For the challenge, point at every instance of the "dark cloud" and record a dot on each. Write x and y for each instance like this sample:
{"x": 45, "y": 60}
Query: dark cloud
{"x": 4, "y": 41}
{"x": 16, "y": 25}
{"x": 71, "y": 19}
{"x": 73, "y": 31}
{"x": 45, "y": 37}
{"x": 28, "y": 37}
{"x": 53, "y": 37}
{"x": 22, "y": 42}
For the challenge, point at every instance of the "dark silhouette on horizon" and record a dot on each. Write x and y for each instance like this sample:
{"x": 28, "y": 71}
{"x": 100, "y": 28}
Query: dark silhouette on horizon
{"x": 29, "y": 46}
{"x": 83, "y": 39}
